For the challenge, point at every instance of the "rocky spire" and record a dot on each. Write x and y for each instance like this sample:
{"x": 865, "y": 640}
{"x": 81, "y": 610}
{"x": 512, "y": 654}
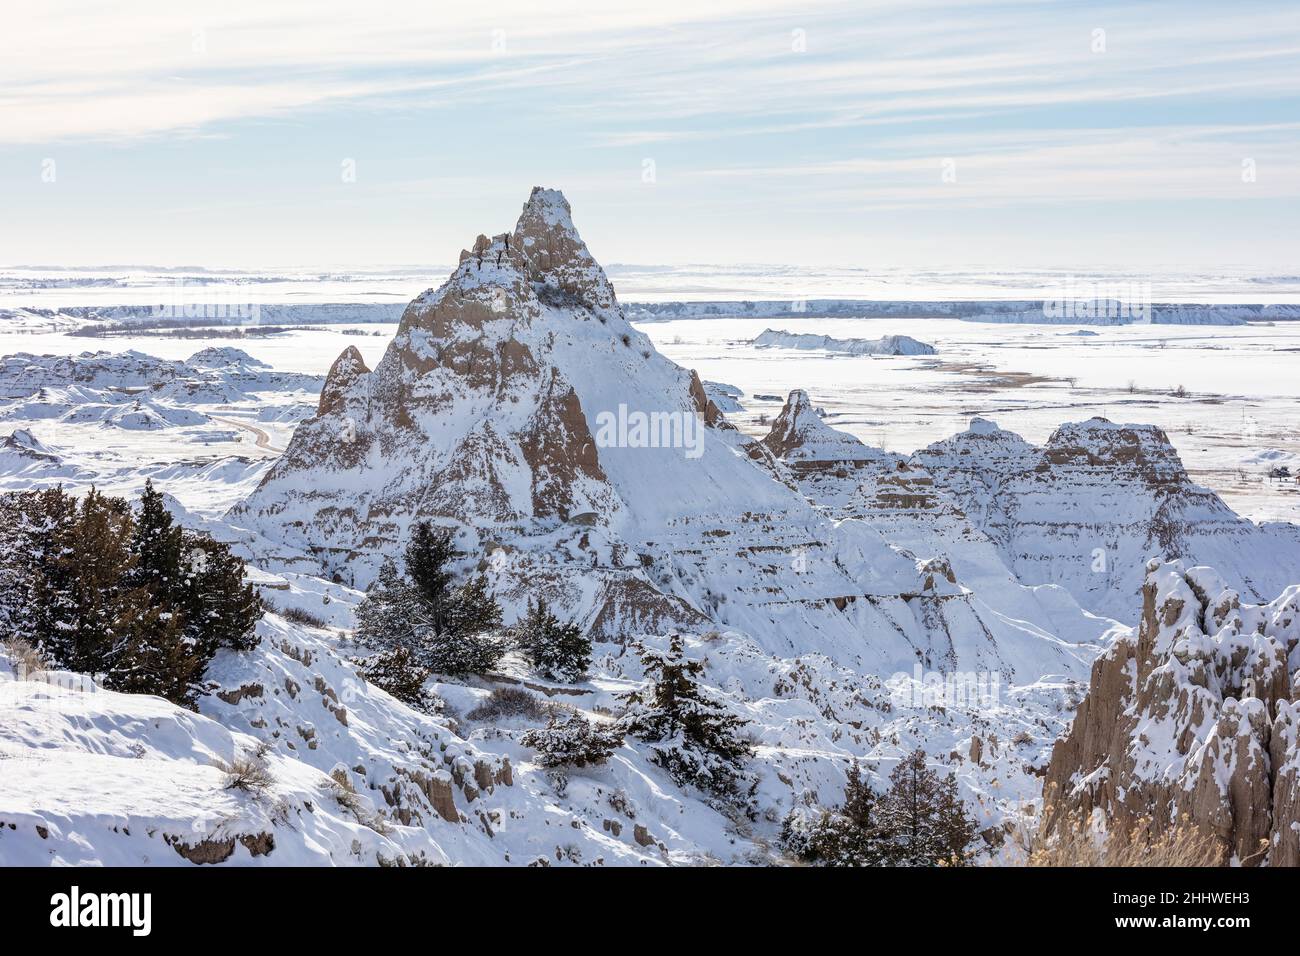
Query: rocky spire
{"x": 799, "y": 434}
{"x": 556, "y": 256}
{"x": 343, "y": 375}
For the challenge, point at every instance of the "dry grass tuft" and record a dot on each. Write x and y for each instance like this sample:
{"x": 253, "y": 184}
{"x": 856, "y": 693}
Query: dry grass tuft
{"x": 26, "y": 659}
{"x": 249, "y": 771}
{"x": 1182, "y": 845}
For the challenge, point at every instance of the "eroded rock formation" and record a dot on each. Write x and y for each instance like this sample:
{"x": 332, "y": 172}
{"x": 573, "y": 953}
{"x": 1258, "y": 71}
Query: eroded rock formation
{"x": 1191, "y": 716}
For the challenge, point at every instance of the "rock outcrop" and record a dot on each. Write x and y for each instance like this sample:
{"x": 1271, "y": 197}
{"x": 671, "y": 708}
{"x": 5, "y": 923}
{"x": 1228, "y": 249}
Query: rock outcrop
{"x": 828, "y": 464}
{"x": 885, "y": 345}
{"x": 1193, "y": 717}
{"x": 1092, "y": 506}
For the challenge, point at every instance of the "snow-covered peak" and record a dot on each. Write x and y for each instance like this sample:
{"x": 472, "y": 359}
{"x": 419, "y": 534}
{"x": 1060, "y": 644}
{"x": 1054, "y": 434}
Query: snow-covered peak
{"x": 23, "y": 438}
{"x": 1145, "y": 449}
{"x": 799, "y": 435}
{"x": 347, "y": 369}
{"x": 549, "y": 207}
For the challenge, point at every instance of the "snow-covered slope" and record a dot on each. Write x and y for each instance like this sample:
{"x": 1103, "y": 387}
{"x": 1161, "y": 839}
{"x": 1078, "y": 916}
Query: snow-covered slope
{"x": 357, "y": 778}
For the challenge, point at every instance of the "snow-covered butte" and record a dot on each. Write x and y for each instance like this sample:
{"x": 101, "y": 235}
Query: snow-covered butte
{"x": 885, "y": 345}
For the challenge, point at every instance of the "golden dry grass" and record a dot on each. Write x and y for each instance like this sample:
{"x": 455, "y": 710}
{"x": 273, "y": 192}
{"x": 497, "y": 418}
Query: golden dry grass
{"x": 27, "y": 660}
{"x": 1078, "y": 844}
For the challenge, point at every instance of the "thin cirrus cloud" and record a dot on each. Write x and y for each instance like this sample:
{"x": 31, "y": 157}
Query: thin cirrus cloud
{"x": 834, "y": 106}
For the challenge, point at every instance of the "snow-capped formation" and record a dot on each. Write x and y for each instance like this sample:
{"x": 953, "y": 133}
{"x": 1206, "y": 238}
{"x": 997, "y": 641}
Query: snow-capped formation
{"x": 223, "y": 356}
{"x": 1192, "y": 715}
{"x": 1089, "y": 508}
{"x": 23, "y": 374}
{"x": 799, "y": 434}
{"x": 885, "y": 345}
{"x": 725, "y": 397}
{"x": 828, "y": 464}
{"x": 212, "y": 374}
{"x": 25, "y": 457}
{"x": 111, "y": 420}
{"x": 517, "y": 404}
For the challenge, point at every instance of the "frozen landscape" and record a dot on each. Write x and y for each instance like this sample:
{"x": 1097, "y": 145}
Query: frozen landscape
{"x": 865, "y": 502}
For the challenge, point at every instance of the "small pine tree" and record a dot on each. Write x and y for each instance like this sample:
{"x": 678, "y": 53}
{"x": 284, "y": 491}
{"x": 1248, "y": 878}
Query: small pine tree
{"x": 220, "y": 608}
{"x": 850, "y": 835}
{"x": 447, "y": 627}
{"x": 468, "y": 609}
{"x": 156, "y": 658}
{"x": 387, "y": 618}
{"x": 157, "y": 542}
{"x": 428, "y": 554}
{"x": 923, "y": 817}
{"x": 559, "y": 651}
{"x": 699, "y": 739}
{"x": 571, "y": 740}
{"x": 459, "y": 655}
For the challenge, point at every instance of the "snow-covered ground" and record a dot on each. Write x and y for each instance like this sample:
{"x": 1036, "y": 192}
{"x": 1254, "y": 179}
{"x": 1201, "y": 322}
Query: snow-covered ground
{"x": 55, "y": 286}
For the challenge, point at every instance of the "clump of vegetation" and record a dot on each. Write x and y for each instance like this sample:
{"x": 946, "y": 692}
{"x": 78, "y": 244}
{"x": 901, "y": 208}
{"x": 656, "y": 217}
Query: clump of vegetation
{"x": 298, "y": 615}
{"x": 571, "y": 740}
{"x": 1076, "y": 843}
{"x": 559, "y": 651}
{"x": 25, "y": 659}
{"x": 397, "y": 672}
{"x": 448, "y": 627}
{"x": 919, "y": 821}
{"x": 505, "y": 702}
{"x": 249, "y": 771}
{"x": 696, "y": 739}
{"x": 135, "y": 600}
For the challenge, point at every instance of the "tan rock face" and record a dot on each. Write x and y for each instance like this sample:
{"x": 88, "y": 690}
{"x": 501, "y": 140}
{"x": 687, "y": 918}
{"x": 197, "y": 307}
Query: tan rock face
{"x": 1177, "y": 722}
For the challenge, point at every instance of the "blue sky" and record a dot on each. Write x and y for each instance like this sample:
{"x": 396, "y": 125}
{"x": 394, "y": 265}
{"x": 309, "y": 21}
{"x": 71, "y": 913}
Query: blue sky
{"x": 920, "y": 135}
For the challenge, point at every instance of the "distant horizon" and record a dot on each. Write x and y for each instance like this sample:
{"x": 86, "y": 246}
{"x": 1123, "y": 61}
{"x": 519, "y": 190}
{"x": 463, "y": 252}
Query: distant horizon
{"x": 138, "y": 285}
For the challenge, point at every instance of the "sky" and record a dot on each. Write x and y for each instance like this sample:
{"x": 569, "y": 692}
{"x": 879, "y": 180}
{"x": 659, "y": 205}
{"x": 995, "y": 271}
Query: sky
{"x": 911, "y": 135}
